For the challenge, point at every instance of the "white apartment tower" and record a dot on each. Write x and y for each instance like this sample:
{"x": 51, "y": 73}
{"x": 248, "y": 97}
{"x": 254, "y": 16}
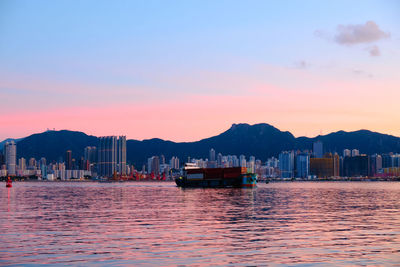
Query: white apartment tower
{"x": 10, "y": 153}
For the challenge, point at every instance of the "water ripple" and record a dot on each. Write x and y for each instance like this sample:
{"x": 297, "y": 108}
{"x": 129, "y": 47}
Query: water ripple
{"x": 159, "y": 224}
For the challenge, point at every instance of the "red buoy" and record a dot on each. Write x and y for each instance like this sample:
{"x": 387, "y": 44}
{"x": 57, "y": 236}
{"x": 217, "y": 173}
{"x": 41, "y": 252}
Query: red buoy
{"x": 9, "y": 182}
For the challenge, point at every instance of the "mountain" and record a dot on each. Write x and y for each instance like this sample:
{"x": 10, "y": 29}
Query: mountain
{"x": 366, "y": 141}
{"x": 259, "y": 140}
{"x": 53, "y": 144}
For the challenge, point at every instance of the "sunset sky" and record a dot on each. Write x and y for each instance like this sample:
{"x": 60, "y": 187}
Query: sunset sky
{"x": 187, "y": 70}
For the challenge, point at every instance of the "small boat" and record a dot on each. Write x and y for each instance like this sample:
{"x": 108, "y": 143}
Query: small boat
{"x": 216, "y": 177}
{"x": 9, "y": 182}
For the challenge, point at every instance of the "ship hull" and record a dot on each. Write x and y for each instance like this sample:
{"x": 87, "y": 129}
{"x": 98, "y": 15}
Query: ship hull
{"x": 217, "y": 178}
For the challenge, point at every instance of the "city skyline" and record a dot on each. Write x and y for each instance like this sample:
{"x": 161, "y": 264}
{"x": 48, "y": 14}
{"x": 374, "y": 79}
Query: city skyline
{"x": 111, "y": 162}
{"x": 185, "y": 71}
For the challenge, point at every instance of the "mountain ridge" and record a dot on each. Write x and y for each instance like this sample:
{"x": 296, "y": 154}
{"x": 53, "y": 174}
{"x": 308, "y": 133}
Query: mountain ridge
{"x": 261, "y": 140}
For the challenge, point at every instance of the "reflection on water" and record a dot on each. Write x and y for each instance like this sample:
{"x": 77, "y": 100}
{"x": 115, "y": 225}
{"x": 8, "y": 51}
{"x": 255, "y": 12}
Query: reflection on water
{"x": 159, "y": 224}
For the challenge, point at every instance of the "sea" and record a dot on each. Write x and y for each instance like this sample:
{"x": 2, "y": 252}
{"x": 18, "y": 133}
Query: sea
{"x": 159, "y": 224}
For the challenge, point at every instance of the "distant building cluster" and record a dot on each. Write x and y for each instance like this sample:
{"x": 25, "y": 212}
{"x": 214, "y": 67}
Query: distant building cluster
{"x": 317, "y": 164}
{"x": 108, "y": 159}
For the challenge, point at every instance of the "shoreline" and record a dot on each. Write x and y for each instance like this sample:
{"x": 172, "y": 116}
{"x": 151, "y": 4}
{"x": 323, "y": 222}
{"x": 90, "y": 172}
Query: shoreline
{"x": 263, "y": 181}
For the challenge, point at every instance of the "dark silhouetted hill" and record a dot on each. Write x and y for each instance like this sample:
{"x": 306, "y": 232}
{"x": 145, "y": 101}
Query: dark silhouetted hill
{"x": 53, "y": 144}
{"x": 259, "y": 140}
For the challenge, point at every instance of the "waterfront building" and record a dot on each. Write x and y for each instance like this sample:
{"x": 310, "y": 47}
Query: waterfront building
{"x": 250, "y": 166}
{"x": 318, "y": 150}
{"x": 174, "y": 163}
{"x": 322, "y": 167}
{"x": 42, "y": 161}
{"x": 111, "y": 156}
{"x": 22, "y": 164}
{"x": 153, "y": 165}
{"x": 336, "y": 165}
{"x": 286, "y": 164}
{"x": 356, "y": 166}
{"x": 121, "y": 155}
{"x": 43, "y": 169}
{"x": 375, "y": 164}
{"x": 302, "y": 165}
{"x": 107, "y": 156}
{"x": 328, "y": 166}
{"x": 68, "y": 160}
{"x": 346, "y": 153}
{"x": 10, "y": 149}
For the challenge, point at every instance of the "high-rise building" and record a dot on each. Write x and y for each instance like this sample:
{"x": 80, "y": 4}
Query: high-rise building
{"x": 396, "y": 160}
{"x": 32, "y": 164}
{"x": 355, "y": 153}
{"x": 346, "y": 153}
{"x": 286, "y": 164}
{"x": 356, "y": 166}
{"x": 318, "y": 149}
{"x": 174, "y": 163}
{"x": 235, "y": 161}
{"x": 219, "y": 160}
{"x": 242, "y": 161}
{"x": 212, "y": 154}
{"x": 10, "y": 149}
{"x": 90, "y": 154}
{"x": 322, "y": 167}
{"x": 111, "y": 156}
{"x": 375, "y": 164}
{"x": 336, "y": 165}
{"x": 387, "y": 161}
{"x": 107, "y": 156}
{"x": 153, "y": 165}
{"x": 303, "y": 165}
{"x": 22, "y": 164}
{"x": 43, "y": 170}
{"x": 121, "y": 155}
{"x": 68, "y": 160}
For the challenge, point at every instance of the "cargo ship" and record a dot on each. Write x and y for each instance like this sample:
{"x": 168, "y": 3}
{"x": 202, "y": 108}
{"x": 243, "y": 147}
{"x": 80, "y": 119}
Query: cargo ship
{"x": 216, "y": 177}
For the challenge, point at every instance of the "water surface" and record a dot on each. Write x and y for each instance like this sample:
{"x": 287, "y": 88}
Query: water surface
{"x": 341, "y": 223}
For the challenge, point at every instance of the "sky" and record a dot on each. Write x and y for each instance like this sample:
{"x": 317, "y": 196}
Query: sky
{"x": 187, "y": 70}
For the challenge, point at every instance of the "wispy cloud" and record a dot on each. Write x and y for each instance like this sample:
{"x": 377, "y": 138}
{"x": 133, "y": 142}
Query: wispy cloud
{"x": 359, "y": 33}
{"x": 374, "y": 51}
